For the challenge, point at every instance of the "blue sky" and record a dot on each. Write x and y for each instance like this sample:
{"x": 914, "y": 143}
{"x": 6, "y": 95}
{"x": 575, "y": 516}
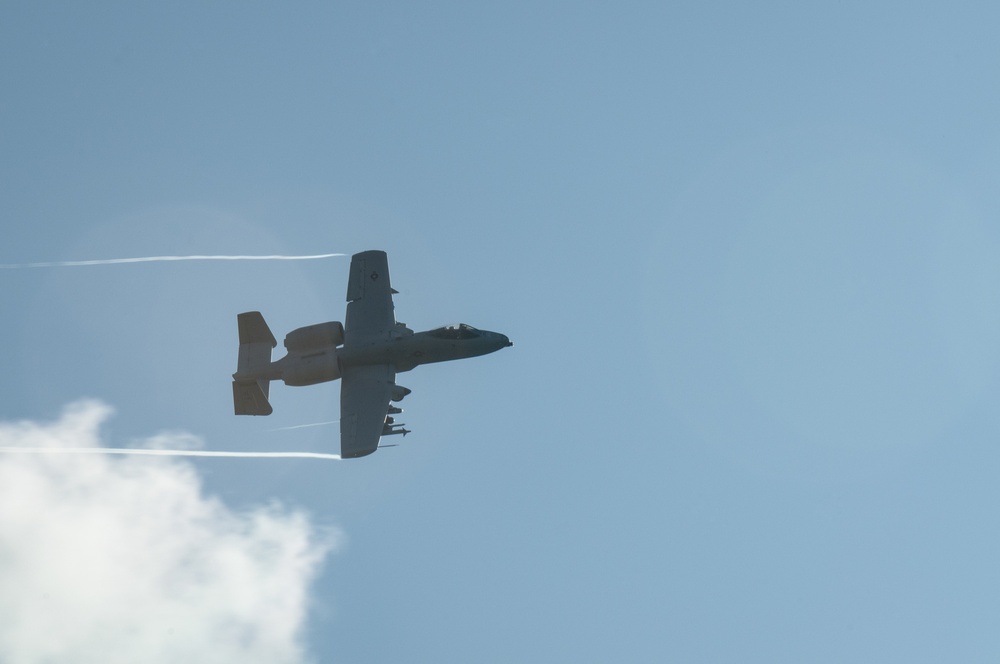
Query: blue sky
{"x": 747, "y": 255}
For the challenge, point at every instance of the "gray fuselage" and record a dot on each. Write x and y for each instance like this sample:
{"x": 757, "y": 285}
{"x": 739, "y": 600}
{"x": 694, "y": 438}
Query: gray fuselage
{"x": 403, "y": 350}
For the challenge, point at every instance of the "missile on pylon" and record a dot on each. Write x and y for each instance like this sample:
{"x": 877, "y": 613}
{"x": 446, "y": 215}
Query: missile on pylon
{"x": 393, "y": 429}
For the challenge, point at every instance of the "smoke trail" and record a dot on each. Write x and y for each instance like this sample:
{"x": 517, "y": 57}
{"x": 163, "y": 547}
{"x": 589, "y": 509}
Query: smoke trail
{"x": 305, "y": 426}
{"x": 155, "y": 452}
{"x": 151, "y": 259}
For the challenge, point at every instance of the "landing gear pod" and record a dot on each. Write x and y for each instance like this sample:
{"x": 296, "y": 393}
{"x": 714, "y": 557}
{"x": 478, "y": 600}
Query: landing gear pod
{"x": 397, "y": 392}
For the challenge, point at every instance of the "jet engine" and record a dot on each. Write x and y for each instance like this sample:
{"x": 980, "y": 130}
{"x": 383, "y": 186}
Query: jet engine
{"x": 321, "y": 335}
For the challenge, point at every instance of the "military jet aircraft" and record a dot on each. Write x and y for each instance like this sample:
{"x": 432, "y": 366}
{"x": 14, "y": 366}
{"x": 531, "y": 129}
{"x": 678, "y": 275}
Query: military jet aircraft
{"x": 365, "y": 353}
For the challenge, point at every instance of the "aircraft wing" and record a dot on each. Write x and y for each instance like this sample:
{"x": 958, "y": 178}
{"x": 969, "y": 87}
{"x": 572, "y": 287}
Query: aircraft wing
{"x": 369, "y": 298}
{"x": 364, "y": 403}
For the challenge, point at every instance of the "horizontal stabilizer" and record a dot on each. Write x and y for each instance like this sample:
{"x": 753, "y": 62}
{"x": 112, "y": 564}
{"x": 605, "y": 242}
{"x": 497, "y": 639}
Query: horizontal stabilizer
{"x": 250, "y": 397}
{"x": 254, "y": 330}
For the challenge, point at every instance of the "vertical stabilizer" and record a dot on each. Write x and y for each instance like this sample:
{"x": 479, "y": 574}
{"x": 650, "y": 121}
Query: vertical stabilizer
{"x": 253, "y": 329}
{"x": 250, "y": 387}
{"x": 250, "y": 397}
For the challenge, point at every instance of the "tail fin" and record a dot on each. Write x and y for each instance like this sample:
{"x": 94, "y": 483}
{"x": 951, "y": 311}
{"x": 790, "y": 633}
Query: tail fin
{"x": 253, "y": 330}
{"x": 250, "y": 397}
{"x": 250, "y": 387}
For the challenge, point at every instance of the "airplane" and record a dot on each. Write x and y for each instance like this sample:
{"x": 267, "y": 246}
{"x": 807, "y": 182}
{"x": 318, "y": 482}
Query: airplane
{"x": 365, "y": 353}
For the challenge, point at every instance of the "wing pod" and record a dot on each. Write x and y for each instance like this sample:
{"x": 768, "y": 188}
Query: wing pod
{"x": 398, "y": 392}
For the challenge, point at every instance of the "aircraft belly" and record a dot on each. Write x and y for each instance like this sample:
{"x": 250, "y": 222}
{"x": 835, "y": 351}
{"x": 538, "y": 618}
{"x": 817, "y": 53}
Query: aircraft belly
{"x": 409, "y": 352}
{"x": 402, "y": 354}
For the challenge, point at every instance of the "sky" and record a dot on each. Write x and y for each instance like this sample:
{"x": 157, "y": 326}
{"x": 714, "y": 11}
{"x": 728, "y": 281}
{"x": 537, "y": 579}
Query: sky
{"x": 747, "y": 255}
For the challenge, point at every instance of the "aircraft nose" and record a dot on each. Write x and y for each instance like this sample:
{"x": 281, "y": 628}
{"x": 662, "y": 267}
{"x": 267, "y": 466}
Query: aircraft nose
{"x": 506, "y": 342}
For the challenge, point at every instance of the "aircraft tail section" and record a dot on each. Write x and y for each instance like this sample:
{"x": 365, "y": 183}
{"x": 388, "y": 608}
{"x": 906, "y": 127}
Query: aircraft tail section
{"x": 250, "y": 387}
{"x": 253, "y": 329}
{"x": 250, "y": 397}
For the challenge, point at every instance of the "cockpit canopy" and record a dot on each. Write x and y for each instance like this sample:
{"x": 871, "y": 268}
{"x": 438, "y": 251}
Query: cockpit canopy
{"x": 460, "y": 331}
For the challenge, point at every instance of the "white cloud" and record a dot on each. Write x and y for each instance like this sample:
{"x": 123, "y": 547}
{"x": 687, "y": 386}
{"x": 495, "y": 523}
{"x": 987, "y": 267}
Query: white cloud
{"x": 113, "y": 560}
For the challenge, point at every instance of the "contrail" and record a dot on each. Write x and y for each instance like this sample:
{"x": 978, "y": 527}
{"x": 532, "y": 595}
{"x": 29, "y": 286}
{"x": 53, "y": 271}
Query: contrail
{"x": 151, "y": 259}
{"x": 304, "y": 426}
{"x": 154, "y": 452}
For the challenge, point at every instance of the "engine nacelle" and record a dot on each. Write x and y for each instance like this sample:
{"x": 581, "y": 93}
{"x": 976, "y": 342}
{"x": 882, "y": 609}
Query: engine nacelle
{"x": 311, "y": 337}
